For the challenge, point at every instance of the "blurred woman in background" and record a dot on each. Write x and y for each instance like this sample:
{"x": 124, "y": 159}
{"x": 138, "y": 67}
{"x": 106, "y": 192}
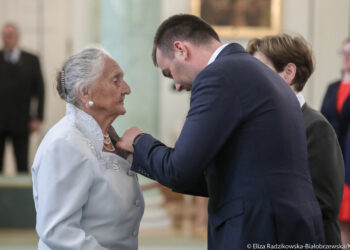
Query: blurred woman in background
{"x": 336, "y": 108}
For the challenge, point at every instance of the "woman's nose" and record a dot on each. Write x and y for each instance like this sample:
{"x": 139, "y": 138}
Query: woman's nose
{"x": 126, "y": 88}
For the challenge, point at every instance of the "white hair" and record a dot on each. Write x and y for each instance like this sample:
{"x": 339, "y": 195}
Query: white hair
{"x": 79, "y": 71}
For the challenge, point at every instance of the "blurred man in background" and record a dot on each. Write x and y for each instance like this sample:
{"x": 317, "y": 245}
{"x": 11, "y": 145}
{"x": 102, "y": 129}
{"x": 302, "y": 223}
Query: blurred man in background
{"x": 21, "y": 96}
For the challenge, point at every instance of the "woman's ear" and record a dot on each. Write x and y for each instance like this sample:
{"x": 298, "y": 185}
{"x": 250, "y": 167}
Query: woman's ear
{"x": 288, "y": 73}
{"x": 84, "y": 95}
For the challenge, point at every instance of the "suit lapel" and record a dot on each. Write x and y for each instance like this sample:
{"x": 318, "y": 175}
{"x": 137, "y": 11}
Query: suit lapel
{"x": 304, "y": 107}
{"x": 20, "y": 59}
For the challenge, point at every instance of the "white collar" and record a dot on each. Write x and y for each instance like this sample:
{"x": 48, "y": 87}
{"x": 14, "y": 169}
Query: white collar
{"x": 87, "y": 125}
{"x": 15, "y": 54}
{"x": 216, "y": 53}
{"x": 301, "y": 99}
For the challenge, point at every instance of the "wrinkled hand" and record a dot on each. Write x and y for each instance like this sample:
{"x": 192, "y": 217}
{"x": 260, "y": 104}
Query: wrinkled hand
{"x": 126, "y": 141}
{"x": 34, "y": 125}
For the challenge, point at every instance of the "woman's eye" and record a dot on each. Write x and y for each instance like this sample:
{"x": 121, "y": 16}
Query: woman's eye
{"x": 115, "y": 80}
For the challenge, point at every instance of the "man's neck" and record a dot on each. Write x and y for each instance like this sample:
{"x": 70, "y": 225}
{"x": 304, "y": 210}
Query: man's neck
{"x": 201, "y": 54}
{"x": 10, "y": 50}
{"x": 207, "y": 52}
{"x": 13, "y": 55}
{"x": 216, "y": 53}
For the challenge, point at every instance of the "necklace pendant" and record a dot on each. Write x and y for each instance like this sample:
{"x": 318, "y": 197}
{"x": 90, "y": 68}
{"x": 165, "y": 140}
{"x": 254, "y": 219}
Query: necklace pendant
{"x": 107, "y": 141}
{"x": 112, "y": 149}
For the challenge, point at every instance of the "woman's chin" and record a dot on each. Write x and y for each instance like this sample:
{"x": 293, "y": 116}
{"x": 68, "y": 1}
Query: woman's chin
{"x": 122, "y": 112}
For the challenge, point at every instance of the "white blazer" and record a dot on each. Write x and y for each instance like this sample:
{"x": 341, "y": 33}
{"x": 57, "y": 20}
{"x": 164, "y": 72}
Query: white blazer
{"x": 84, "y": 198}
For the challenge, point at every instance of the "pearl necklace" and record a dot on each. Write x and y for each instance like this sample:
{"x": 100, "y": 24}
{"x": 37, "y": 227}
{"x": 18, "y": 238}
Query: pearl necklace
{"x": 107, "y": 143}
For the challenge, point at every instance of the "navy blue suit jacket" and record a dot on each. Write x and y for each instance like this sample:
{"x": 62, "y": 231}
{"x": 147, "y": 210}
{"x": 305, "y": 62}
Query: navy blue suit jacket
{"x": 243, "y": 144}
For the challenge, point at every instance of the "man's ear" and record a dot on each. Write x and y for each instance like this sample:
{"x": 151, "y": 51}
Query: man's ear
{"x": 288, "y": 73}
{"x": 181, "y": 50}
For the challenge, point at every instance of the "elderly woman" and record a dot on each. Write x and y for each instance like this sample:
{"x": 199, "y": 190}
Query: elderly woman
{"x": 85, "y": 195}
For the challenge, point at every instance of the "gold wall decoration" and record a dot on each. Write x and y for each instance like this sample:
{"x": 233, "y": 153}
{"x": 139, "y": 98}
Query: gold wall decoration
{"x": 240, "y": 18}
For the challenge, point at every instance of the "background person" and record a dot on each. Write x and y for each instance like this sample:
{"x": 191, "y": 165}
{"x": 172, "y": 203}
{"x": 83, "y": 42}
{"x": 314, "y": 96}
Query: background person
{"x": 336, "y": 108}
{"x": 292, "y": 59}
{"x": 21, "y": 83}
{"x": 243, "y": 143}
{"x": 85, "y": 195}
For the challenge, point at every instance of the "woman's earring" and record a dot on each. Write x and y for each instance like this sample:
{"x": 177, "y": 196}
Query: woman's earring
{"x": 91, "y": 103}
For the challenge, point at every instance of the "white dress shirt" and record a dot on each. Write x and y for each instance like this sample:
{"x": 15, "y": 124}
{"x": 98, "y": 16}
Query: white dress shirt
{"x": 84, "y": 198}
{"x": 301, "y": 99}
{"x": 216, "y": 53}
{"x": 13, "y": 56}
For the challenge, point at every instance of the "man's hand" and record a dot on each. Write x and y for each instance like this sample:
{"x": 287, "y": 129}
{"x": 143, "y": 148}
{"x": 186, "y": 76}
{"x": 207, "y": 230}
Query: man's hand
{"x": 34, "y": 125}
{"x": 126, "y": 141}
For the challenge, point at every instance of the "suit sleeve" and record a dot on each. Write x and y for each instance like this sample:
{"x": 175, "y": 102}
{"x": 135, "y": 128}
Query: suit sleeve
{"x": 214, "y": 114}
{"x": 38, "y": 90}
{"x": 326, "y": 167}
{"x": 63, "y": 184}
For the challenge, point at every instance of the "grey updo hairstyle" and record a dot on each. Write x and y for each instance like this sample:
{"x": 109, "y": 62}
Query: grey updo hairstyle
{"x": 80, "y": 70}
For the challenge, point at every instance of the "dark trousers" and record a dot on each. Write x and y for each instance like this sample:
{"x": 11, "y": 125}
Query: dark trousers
{"x": 20, "y": 145}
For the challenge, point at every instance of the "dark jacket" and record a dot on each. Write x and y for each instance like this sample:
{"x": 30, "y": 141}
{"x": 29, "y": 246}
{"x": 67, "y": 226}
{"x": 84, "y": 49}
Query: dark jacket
{"x": 243, "y": 144}
{"x": 21, "y": 84}
{"x": 327, "y": 170}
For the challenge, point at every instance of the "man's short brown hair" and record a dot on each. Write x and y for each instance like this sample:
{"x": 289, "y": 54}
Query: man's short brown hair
{"x": 183, "y": 27}
{"x": 283, "y": 49}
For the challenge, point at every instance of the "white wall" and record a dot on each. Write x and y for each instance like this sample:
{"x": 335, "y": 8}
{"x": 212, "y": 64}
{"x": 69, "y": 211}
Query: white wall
{"x": 173, "y": 105}
{"x": 52, "y": 29}
{"x": 324, "y": 24}
{"x": 44, "y": 38}
{"x": 330, "y": 27}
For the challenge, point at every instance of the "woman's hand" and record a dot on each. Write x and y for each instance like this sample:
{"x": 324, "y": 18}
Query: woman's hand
{"x": 126, "y": 141}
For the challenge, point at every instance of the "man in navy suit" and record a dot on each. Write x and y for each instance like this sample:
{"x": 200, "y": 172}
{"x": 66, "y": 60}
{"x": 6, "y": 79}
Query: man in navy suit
{"x": 243, "y": 142}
